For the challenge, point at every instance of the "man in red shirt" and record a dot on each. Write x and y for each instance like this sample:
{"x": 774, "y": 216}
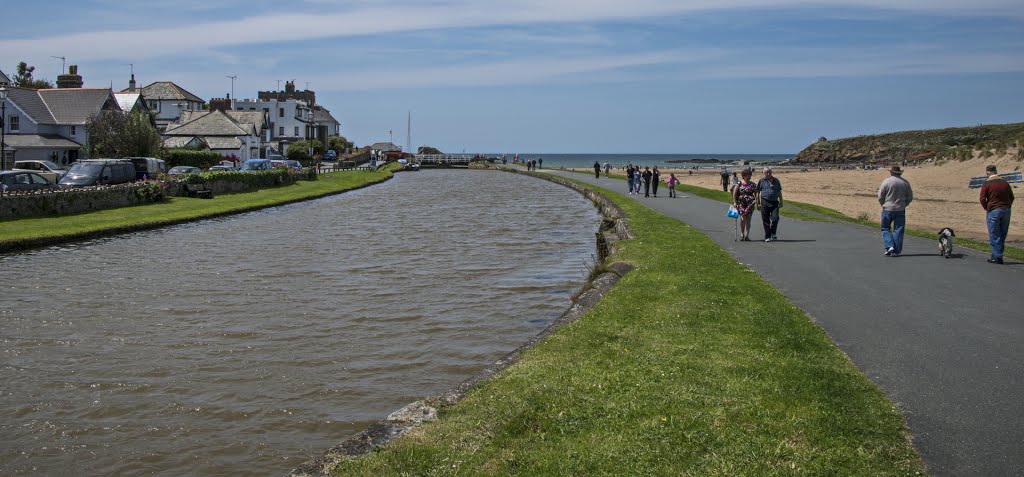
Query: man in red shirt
{"x": 996, "y": 199}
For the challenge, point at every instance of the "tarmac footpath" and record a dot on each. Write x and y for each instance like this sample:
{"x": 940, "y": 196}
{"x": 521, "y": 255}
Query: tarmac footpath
{"x": 944, "y": 338}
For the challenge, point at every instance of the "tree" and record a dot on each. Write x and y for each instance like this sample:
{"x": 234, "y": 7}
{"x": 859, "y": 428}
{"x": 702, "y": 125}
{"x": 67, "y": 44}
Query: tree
{"x": 23, "y": 78}
{"x": 428, "y": 150}
{"x": 119, "y": 134}
{"x": 299, "y": 151}
{"x": 339, "y": 144}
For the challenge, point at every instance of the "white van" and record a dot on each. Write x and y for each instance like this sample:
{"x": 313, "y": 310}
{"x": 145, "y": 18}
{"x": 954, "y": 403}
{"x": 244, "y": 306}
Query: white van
{"x": 148, "y": 167}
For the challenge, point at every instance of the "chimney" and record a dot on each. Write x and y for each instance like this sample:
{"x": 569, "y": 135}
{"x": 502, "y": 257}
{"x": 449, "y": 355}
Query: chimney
{"x": 70, "y": 80}
{"x": 220, "y": 104}
{"x": 131, "y": 84}
{"x": 289, "y": 86}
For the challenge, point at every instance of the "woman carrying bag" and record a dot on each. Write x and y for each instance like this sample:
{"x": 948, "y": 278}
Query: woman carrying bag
{"x": 743, "y": 198}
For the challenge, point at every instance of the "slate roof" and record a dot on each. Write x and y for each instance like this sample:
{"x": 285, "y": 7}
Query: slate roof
{"x": 214, "y": 123}
{"x": 223, "y": 142}
{"x": 29, "y": 101}
{"x": 4, "y": 79}
{"x": 166, "y": 90}
{"x": 31, "y": 141}
{"x": 181, "y": 141}
{"x": 250, "y": 121}
{"x": 385, "y": 146}
{"x": 323, "y": 116}
{"x": 77, "y": 105}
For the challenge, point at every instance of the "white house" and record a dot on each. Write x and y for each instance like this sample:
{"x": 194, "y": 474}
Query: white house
{"x": 218, "y": 130}
{"x": 167, "y": 101}
{"x": 49, "y": 124}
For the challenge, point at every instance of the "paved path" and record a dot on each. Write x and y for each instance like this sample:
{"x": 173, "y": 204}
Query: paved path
{"x": 943, "y": 338}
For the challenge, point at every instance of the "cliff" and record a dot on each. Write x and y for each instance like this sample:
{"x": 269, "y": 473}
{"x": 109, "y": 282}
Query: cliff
{"x": 950, "y": 143}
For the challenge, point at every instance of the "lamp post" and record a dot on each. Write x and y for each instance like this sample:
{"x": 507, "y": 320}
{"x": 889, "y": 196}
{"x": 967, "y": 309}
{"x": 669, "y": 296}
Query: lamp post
{"x": 3, "y": 128}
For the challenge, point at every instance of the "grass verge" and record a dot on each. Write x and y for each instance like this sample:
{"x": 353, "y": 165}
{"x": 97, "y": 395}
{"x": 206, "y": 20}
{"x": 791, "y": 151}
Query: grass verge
{"x": 34, "y": 232}
{"x": 691, "y": 365}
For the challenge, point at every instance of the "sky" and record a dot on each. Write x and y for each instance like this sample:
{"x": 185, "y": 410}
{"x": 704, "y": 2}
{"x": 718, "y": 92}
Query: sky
{"x": 561, "y": 76}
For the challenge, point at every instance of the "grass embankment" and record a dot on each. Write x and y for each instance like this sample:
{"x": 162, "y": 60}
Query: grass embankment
{"x": 691, "y": 365}
{"x": 29, "y": 232}
{"x": 950, "y": 143}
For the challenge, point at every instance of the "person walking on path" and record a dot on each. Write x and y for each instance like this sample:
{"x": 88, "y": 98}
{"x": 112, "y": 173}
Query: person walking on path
{"x": 672, "y": 181}
{"x": 769, "y": 200}
{"x": 996, "y": 199}
{"x": 725, "y": 180}
{"x": 629, "y": 178}
{"x": 894, "y": 195}
{"x": 647, "y": 181}
{"x": 597, "y": 170}
{"x": 540, "y": 163}
{"x": 744, "y": 199}
{"x": 655, "y": 179}
{"x": 607, "y": 169}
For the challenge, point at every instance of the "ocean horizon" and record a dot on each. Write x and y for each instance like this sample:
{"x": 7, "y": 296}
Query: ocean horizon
{"x": 651, "y": 160}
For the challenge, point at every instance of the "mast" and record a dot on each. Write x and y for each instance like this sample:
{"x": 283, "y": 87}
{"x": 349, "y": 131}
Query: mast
{"x": 408, "y": 134}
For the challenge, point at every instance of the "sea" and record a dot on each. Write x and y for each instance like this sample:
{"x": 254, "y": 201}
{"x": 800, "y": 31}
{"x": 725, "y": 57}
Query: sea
{"x": 676, "y": 161}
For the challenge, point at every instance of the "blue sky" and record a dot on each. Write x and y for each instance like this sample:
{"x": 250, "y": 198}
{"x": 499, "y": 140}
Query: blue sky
{"x": 563, "y": 76}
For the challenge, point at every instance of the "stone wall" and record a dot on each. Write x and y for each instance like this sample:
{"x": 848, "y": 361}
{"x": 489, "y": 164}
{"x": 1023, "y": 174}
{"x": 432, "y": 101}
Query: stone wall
{"x": 71, "y": 201}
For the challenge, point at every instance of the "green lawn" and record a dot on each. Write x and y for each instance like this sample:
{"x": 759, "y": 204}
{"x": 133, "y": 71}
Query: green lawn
{"x": 692, "y": 365}
{"x": 22, "y": 233}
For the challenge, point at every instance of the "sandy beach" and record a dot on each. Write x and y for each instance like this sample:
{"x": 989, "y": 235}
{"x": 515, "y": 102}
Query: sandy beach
{"x": 941, "y": 196}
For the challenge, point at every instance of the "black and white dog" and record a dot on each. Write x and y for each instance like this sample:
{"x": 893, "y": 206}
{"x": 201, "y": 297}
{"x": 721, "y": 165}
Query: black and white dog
{"x": 946, "y": 242}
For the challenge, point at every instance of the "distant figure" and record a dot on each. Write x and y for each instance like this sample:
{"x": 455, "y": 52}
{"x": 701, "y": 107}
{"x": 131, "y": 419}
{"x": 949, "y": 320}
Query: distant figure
{"x": 894, "y": 196}
{"x": 607, "y": 169}
{"x": 735, "y": 180}
{"x": 725, "y": 180}
{"x": 597, "y": 170}
{"x": 691, "y": 172}
{"x": 996, "y": 199}
{"x": 629, "y": 178}
{"x": 647, "y": 181}
{"x": 672, "y": 181}
{"x": 539, "y": 163}
{"x": 655, "y": 179}
{"x": 769, "y": 200}
{"x": 744, "y": 198}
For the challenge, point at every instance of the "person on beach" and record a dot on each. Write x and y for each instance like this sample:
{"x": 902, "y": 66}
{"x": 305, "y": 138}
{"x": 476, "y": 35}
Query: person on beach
{"x": 597, "y": 170}
{"x": 672, "y": 181}
{"x": 996, "y": 199}
{"x": 647, "y": 182}
{"x": 725, "y": 180}
{"x": 540, "y": 163}
{"x": 894, "y": 196}
{"x": 744, "y": 198}
{"x": 769, "y": 200}
{"x": 655, "y": 179}
{"x": 607, "y": 169}
{"x": 735, "y": 180}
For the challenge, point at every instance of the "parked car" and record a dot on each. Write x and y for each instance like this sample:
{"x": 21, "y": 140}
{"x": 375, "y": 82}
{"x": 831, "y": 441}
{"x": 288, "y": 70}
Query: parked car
{"x": 46, "y": 169}
{"x": 221, "y": 168}
{"x": 148, "y": 167}
{"x": 294, "y": 165}
{"x": 330, "y": 155}
{"x": 11, "y": 181}
{"x": 91, "y": 172}
{"x": 183, "y": 170}
{"x": 253, "y": 165}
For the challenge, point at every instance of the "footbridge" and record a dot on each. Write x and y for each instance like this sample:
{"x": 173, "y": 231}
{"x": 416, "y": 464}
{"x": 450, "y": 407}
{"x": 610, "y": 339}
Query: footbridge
{"x": 452, "y": 160}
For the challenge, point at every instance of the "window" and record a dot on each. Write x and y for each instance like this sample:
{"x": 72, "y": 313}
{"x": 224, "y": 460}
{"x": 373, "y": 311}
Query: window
{"x": 72, "y": 131}
{"x": 14, "y": 123}
{"x": 280, "y": 131}
{"x": 280, "y": 112}
{"x": 296, "y": 131}
{"x": 154, "y": 105}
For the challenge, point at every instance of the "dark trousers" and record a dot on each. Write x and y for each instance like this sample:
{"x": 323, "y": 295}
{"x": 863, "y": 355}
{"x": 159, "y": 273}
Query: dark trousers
{"x": 654, "y": 188}
{"x": 647, "y": 187}
{"x": 770, "y": 218}
{"x": 597, "y": 173}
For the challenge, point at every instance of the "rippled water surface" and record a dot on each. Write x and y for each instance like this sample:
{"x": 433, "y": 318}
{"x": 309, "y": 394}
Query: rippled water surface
{"x": 247, "y": 345}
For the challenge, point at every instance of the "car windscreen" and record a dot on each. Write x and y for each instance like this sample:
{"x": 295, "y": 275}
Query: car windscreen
{"x": 51, "y": 166}
{"x": 82, "y": 173}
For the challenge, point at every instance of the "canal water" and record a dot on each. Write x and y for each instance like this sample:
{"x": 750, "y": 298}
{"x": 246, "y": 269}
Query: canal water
{"x": 249, "y": 344}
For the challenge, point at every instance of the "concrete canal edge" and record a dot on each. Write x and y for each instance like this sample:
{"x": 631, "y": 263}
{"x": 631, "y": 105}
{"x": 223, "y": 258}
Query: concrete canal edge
{"x": 614, "y": 227}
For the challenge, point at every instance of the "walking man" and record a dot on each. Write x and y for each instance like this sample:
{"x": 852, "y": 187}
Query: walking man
{"x": 894, "y": 196}
{"x": 725, "y": 180}
{"x": 647, "y": 182}
{"x": 607, "y": 169}
{"x": 597, "y": 170}
{"x": 769, "y": 200}
{"x": 996, "y": 199}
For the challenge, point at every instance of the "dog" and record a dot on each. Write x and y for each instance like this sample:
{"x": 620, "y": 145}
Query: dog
{"x": 946, "y": 242}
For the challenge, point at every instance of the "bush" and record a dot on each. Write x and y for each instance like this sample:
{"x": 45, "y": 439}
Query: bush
{"x": 299, "y": 151}
{"x": 191, "y": 157}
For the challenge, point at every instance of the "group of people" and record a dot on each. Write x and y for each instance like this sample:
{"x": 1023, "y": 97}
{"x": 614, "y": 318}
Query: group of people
{"x": 533, "y": 164}
{"x": 597, "y": 169}
{"x": 765, "y": 195}
{"x": 895, "y": 194}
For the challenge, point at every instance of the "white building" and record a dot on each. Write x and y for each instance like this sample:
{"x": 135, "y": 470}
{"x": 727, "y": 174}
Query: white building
{"x": 166, "y": 101}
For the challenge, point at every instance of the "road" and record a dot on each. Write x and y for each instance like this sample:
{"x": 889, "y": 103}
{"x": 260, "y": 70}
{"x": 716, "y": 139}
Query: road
{"x": 942, "y": 337}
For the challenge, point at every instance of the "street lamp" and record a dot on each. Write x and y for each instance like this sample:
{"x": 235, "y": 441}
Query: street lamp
{"x": 3, "y": 128}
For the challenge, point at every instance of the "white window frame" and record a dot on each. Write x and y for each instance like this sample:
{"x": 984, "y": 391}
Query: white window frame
{"x": 13, "y": 123}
